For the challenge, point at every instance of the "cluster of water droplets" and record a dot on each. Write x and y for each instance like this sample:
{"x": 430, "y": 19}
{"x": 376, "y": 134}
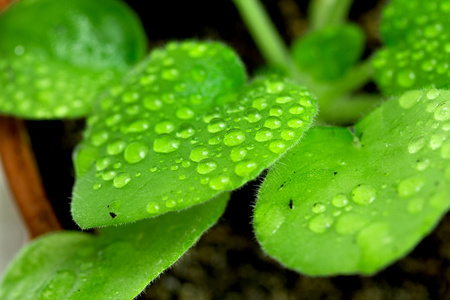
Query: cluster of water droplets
{"x": 420, "y": 46}
{"x": 161, "y": 124}
{"x": 34, "y": 86}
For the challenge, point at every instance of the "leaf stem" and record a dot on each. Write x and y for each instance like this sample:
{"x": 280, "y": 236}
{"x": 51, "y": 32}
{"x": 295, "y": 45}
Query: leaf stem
{"x": 328, "y": 12}
{"x": 23, "y": 176}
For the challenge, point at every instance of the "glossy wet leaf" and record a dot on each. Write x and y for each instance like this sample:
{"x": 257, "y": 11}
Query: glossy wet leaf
{"x": 417, "y": 46}
{"x": 117, "y": 264}
{"x": 343, "y": 202}
{"x": 57, "y": 68}
{"x": 182, "y": 129}
{"x": 327, "y": 54}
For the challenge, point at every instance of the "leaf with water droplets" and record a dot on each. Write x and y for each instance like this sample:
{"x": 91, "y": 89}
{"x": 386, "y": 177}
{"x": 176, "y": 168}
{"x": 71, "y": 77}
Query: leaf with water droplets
{"x": 353, "y": 200}
{"x": 58, "y": 69}
{"x": 327, "y": 54}
{"x": 116, "y": 264}
{"x": 417, "y": 46}
{"x": 180, "y": 130}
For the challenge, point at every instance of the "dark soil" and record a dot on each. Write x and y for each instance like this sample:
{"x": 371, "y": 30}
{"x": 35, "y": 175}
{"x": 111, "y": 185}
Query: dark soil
{"x": 228, "y": 263}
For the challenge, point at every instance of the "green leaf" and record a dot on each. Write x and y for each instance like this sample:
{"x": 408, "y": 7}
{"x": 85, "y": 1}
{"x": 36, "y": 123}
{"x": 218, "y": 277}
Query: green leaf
{"x": 117, "y": 264}
{"x": 353, "y": 200}
{"x": 327, "y": 54}
{"x": 181, "y": 130}
{"x": 417, "y": 47}
{"x": 58, "y": 68}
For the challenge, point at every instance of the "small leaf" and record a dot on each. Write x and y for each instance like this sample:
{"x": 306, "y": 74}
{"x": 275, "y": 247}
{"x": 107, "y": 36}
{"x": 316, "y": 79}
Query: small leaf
{"x": 327, "y": 54}
{"x": 58, "y": 68}
{"x": 117, "y": 264}
{"x": 181, "y": 130}
{"x": 418, "y": 48}
{"x": 355, "y": 200}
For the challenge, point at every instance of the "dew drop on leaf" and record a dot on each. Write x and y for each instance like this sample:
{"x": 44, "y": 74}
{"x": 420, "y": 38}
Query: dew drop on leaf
{"x": 206, "y": 166}
{"x": 363, "y": 194}
{"x": 234, "y": 137}
{"x": 121, "y": 180}
{"x": 320, "y": 223}
{"x": 135, "y": 152}
{"x": 339, "y": 200}
{"x": 165, "y": 143}
{"x": 199, "y": 153}
{"x": 245, "y": 167}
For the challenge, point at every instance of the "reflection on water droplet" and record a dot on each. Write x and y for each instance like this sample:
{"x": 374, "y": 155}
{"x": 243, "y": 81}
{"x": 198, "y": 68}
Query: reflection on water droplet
{"x": 164, "y": 127}
{"x": 364, "y": 194}
{"x": 185, "y": 113}
{"x": 186, "y": 131}
{"x": 206, "y": 166}
{"x": 216, "y": 125}
{"x": 442, "y": 112}
{"x": 277, "y": 146}
{"x": 433, "y": 94}
{"x": 272, "y": 123}
{"x": 152, "y": 208}
{"x": 276, "y": 111}
{"x": 264, "y": 135}
{"x": 320, "y": 223}
{"x": 152, "y": 103}
{"x": 437, "y": 139}
{"x": 199, "y": 153}
{"x": 102, "y": 163}
{"x": 165, "y": 143}
{"x": 135, "y": 152}
{"x": 245, "y": 167}
{"x": 410, "y": 98}
{"x": 260, "y": 104}
{"x": 108, "y": 175}
{"x": 253, "y": 115}
{"x": 283, "y": 99}
{"x": 238, "y": 154}
{"x": 287, "y": 135}
{"x": 99, "y": 138}
{"x": 220, "y": 183}
{"x": 116, "y": 147}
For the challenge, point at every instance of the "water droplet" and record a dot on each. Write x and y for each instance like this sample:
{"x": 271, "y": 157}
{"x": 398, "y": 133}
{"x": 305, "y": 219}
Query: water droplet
{"x": 409, "y": 99}
{"x": 182, "y": 177}
{"x": 199, "y": 153}
{"x": 410, "y": 186}
{"x": 216, "y": 125}
{"x": 253, "y": 115}
{"x": 296, "y": 110}
{"x": 199, "y": 73}
{"x": 272, "y": 123}
{"x": 152, "y": 208}
{"x": 116, "y": 147}
{"x": 339, "y": 200}
{"x": 295, "y": 123}
{"x": 406, "y": 78}
{"x": 318, "y": 208}
{"x": 97, "y": 186}
{"x": 206, "y": 166}
{"x": 135, "y": 152}
{"x": 437, "y": 139}
{"x": 277, "y": 146}
{"x": 170, "y": 74}
{"x": 152, "y": 103}
{"x": 185, "y": 131}
{"x": 422, "y": 164}
{"x": 138, "y": 126}
{"x": 185, "y": 113}
{"x": 364, "y": 194}
{"x": 445, "y": 150}
{"x": 433, "y": 94}
{"x": 416, "y": 205}
{"x": 416, "y": 144}
{"x": 108, "y": 175}
{"x": 283, "y": 99}
{"x": 287, "y": 135}
{"x": 245, "y": 167}
{"x": 350, "y": 223}
{"x": 442, "y": 112}
{"x": 220, "y": 183}
{"x": 130, "y": 97}
{"x": 274, "y": 87}
{"x": 264, "y": 135}
{"x": 276, "y": 111}
{"x": 234, "y": 137}
{"x": 238, "y": 154}
{"x": 320, "y": 223}
{"x": 164, "y": 127}
{"x": 260, "y": 104}
{"x": 99, "y": 138}
{"x": 186, "y": 164}
{"x": 121, "y": 180}
{"x": 165, "y": 144}
{"x": 215, "y": 140}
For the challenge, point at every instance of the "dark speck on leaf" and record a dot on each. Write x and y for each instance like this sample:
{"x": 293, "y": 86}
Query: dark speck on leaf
{"x": 335, "y": 173}
{"x": 113, "y": 215}
{"x": 291, "y": 204}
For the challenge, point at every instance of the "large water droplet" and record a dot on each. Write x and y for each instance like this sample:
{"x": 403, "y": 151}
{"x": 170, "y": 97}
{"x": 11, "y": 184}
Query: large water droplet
{"x": 152, "y": 103}
{"x": 422, "y": 164}
{"x": 234, "y": 137}
{"x": 152, "y": 208}
{"x": 102, "y": 163}
{"x": 253, "y": 115}
{"x": 283, "y": 99}
{"x": 272, "y": 123}
{"x": 277, "y": 146}
{"x": 138, "y": 126}
{"x": 170, "y": 74}
{"x": 320, "y": 223}
{"x": 245, "y": 167}
{"x": 238, "y": 154}
{"x": 165, "y": 143}
{"x": 437, "y": 139}
{"x": 287, "y": 135}
{"x": 416, "y": 144}
{"x": 164, "y": 127}
{"x": 99, "y": 138}
{"x": 295, "y": 123}
{"x": 220, "y": 183}
{"x": 339, "y": 200}
{"x": 260, "y": 104}
{"x": 264, "y": 135}
{"x": 185, "y": 113}
{"x": 406, "y": 78}
{"x": 216, "y": 125}
{"x": 318, "y": 208}
{"x": 442, "y": 112}
{"x": 364, "y": 194}
{"x": 108, "y": 175}
{"x": 84, "y": 157}
{"x": 121, "y": 180}
{"x": 410, "y": 98}
{"x": 199, "y": 153}
{"x": 135, "y": 152}
{"x": 350, "y": 223}
{"x": 186, "y": 131}
{"x": 276, "y": 111}
{"x": 116, "y": 147}
{"x": 206, "y": 166}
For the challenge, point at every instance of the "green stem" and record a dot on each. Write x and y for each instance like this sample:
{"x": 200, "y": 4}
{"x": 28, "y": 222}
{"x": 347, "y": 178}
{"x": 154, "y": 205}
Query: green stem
{"x": 328, "y": 12}
{"x": 264, "y": 33}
